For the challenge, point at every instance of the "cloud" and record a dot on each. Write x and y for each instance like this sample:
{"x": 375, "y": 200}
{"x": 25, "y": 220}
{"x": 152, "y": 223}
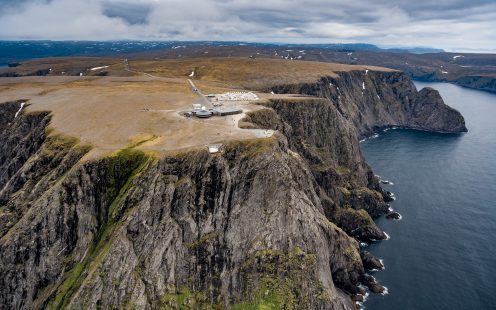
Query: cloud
{"x": 448, "y": 24}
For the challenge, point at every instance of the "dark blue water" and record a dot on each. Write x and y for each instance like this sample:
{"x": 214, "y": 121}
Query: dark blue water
{"x": 442, "y": 254}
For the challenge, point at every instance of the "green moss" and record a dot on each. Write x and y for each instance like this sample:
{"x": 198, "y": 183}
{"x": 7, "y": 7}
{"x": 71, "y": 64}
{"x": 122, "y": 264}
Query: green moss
{"x": 342, "y": 170}
{"x": 367, "y": 191}
{"x": 121, "y": 169}
{"x": 251, "y": 148}
{"x": 203, "y": 240}
{"x": 281, "y": 280}
{"x": 186, "y": 299}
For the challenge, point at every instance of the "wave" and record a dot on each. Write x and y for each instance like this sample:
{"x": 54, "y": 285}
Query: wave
{"x": 385, "y": 292}
{"x": 387, "y": 236}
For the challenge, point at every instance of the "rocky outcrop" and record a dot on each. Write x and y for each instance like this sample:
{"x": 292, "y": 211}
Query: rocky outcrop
{"x": 242, "y": 228}
{"x": 268, "y": 222}
{"x": 374, "y": 100}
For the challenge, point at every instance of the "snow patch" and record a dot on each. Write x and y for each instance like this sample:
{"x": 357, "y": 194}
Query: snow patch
{"x": 192, "y": 74}
{"x": 98, "y": 68}
{"x": 20, "y": 109}
{"x": 366, "y": 71}
{"x": 444, "y": 72}
{"x": 363, "y": 85}
{"x": 457, "y": 56}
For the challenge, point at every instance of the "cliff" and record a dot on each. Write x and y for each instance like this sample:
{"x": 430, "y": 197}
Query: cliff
{"x": 374, "y": 100}
{"x": 272, "y": 222}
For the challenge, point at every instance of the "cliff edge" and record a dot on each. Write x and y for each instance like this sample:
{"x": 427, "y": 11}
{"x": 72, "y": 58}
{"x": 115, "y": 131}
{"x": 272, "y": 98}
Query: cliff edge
{"x": 268, "y": 222}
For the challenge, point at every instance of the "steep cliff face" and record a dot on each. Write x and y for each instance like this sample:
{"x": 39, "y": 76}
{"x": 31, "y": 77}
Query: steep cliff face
{"x": 242, "y": 228}
{"x": 373, "y": 100}
{"x": 269, "y": 222}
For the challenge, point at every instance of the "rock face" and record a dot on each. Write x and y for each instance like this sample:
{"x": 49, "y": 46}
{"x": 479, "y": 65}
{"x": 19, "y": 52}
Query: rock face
{"x": 376, "y": 100}
{"x": 269, "y": 222}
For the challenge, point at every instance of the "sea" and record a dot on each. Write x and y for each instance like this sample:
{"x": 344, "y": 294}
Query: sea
{"x": 442, "y": 253}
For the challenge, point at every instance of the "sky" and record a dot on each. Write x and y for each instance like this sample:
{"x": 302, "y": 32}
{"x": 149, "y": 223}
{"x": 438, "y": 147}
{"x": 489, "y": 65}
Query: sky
{"x": 453, "y": 25}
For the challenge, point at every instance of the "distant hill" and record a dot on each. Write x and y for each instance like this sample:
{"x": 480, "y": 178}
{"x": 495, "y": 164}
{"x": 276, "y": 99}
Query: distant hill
{"x": 16, "y": 51}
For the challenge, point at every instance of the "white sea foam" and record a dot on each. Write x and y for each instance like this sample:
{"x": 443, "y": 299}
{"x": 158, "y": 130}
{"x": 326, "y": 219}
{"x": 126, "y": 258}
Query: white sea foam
{"x": 365, "y": 296}
{"x": 385, "y": 291}
{"x": 363, "y": 244}
{"x": 382, "y": 263}
{"x": 390, "y": 209}
{"x": 387, "y": 236}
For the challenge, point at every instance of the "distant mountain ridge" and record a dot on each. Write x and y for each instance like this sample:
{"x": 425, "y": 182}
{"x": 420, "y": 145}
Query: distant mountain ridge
{"x": 16, "y": 51}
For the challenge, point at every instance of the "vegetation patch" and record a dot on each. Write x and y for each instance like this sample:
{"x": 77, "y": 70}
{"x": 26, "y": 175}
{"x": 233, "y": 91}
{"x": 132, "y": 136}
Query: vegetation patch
{"x": 203, "y": 240}
{"x": 251, "y": 148}
{"x": 278, "y": 280}
{"x": 121, "y": 169}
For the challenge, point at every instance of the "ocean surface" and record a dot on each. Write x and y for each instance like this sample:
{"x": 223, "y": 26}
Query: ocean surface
{"x": 442, "y": 254}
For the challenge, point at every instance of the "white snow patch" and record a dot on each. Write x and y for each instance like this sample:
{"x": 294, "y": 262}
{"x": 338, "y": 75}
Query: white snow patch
{"x": 363, "y": 85}
{"x": 98, "y": 68}
{"x": 457, "y": 56}
{"x": 20, "y": 109}
{"x": 81, "y": 74}
{"x": 366, "y": 71}
{"x": 378, "y": 97}
{"x": 444, "y": 72}
{"x": 192, "y": 74}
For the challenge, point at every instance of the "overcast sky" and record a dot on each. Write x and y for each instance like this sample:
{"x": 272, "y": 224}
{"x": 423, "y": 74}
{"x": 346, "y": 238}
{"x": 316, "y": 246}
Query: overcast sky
{"x": 447, "y": 24}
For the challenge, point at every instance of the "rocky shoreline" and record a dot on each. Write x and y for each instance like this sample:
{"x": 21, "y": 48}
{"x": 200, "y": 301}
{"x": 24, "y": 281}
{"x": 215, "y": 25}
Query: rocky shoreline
{"x": 268, "y": 221}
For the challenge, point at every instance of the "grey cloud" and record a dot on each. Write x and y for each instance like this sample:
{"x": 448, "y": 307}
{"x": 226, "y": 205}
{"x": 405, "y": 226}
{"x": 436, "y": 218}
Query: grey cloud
{"x": 447, "y": 24}
{"x": 132, "y": 13}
